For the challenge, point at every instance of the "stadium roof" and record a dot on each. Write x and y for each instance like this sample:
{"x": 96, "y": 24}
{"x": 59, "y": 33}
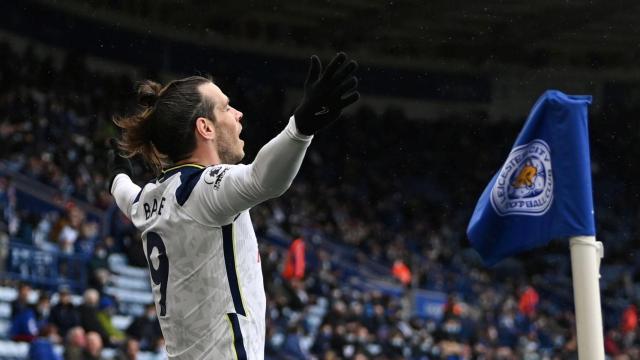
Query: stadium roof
{"x": 590, "y": 33}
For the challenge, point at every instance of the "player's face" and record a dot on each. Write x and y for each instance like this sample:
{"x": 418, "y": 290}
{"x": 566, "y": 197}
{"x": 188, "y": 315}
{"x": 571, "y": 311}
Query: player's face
{"x": 227, "y": 126}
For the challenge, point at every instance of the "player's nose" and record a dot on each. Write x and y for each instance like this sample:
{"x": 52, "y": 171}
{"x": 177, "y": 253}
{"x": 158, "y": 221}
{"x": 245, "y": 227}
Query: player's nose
{"x": 239, "y": 115}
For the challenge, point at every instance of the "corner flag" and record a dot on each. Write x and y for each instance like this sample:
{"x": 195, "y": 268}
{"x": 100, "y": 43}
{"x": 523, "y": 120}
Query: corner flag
{"x": 543, "y": 190}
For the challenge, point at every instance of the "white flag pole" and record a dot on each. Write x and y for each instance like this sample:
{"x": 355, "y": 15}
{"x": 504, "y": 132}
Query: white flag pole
{"x": 586, "y": 253}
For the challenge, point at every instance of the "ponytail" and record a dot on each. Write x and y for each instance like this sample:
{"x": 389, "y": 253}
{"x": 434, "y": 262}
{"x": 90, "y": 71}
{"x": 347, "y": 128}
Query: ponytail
{"x": 136, "y": 137}
{"x": 160, "y": 131}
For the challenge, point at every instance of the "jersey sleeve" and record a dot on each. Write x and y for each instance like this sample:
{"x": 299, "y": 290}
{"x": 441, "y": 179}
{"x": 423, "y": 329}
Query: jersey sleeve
{"x": 124, "y": 191}
{"x": 226, "y": 190}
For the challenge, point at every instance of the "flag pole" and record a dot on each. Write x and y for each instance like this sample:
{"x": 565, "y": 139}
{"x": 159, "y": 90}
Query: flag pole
{"x": 586, "y": 253}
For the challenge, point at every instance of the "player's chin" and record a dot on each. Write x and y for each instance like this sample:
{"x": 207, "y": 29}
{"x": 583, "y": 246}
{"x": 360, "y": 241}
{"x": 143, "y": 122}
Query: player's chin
{"x": 240, "y": 155}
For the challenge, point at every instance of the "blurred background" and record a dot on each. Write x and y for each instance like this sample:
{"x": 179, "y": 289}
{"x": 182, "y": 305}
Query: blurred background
{"x": 365, "y": 257}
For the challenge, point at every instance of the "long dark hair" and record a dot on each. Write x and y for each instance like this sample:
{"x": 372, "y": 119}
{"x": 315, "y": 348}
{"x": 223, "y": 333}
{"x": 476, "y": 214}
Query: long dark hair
{"x": 162, "y": 130}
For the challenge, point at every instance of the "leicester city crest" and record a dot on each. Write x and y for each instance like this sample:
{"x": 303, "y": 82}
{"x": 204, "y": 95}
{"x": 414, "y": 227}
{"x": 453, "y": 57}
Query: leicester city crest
{"x": 524, "y": 185}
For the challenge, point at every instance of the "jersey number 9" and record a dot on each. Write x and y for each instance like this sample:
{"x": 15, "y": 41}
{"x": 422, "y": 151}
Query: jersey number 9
{"x": 159, "y": 275}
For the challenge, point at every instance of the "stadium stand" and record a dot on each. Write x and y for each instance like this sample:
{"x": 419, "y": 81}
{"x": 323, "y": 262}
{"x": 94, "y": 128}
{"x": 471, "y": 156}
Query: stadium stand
{"x": 358, "y": 206}
{"x": 349, "y": 303}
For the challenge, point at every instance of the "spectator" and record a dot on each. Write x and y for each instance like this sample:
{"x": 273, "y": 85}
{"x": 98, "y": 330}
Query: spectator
{"x": 129, "y": 350}
{"x": 105, "y": 312}
{"x": 146, "y": 328}
{"x": 93, "y": 351}
{"x": 67, "y": 230}
{"x": 24, "y": 326}
{"x": 452, "y": 307}
{"x": 293, "y": 344}
{"x": 401, "y": 272}
{"x": 89, "y": 315}
{"x": 22, "y": 302}
{"x": 43, "y": 310}
{"x": 294, "y": 264}
{"x": 42, "y": 232}
{"x": 528, "y": 301}
{"x": 7, "y": 213}
{"x": 64, "y": 314}
{"x": 42, "y": 347}
{"x": 629, "y": 319}
{"x": 4, "y": 246}
{"x": 75, "y": 344}
{"x": 7, "y": 194}
{"x": 98, "y": 267}
{"x": 160, "y": 349}
{"x": 612, "y": 345}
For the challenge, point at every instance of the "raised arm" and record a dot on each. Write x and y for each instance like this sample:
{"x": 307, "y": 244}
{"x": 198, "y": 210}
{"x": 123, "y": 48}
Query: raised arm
{"x": 224, "y": 191}
{"x": 237, "y": 188}
{"x": 275, "y": 166}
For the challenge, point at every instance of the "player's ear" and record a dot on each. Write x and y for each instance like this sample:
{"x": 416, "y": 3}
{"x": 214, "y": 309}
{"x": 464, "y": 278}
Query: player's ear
{"x": 205, "y": 128}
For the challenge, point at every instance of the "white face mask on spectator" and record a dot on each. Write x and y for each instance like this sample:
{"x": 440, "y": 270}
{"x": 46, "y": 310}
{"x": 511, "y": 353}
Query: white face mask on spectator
{"x": 396, "y": 341}
{"x": 44, "y": 309}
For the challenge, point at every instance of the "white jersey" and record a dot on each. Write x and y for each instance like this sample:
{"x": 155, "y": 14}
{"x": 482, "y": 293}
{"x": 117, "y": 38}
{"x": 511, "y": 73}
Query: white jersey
{"x": 202, "y": 251}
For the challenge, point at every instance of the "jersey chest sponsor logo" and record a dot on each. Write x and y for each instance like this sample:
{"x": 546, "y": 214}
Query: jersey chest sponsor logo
{"x": 524, "y": 185}
{"x": 214, "y": 176}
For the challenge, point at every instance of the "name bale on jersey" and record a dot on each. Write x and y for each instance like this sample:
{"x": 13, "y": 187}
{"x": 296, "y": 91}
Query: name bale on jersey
{"x": 150, "y": 210}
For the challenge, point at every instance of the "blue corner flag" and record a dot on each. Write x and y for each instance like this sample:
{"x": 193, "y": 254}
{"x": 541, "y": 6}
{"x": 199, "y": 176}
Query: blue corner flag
{"x": 543, "y": 190}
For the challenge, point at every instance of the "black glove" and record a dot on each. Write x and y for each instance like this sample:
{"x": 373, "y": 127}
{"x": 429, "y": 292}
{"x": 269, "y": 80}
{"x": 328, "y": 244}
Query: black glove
{"x": 326, "y": 93}
{"x": 116, "y": 164}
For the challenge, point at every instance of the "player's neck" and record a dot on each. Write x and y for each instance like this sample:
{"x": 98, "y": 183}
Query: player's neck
{"x": 201, "y": 156}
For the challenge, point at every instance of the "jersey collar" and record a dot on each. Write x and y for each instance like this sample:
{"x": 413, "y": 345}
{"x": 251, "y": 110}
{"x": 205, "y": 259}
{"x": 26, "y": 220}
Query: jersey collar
{"x": 174, "y": 169}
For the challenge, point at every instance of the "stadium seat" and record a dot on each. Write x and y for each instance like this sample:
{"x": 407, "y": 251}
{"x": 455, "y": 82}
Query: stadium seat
{"x": 121, "y": 322}
{"x": 75, "y": 299}
{"x": 148, "y": 356}
{"x": 8, "y": 294}
{"x": 133, "y": 283}
{"x": 132, "y": 296}
{"x": 130, "y": 271}
{"x": 5, "y": 310}
{"x": 4, "y": 328}
{"x": 13, "y": 350}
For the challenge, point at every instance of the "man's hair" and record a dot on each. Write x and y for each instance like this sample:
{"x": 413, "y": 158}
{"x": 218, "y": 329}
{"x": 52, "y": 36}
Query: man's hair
{"x": 162, "y": 130}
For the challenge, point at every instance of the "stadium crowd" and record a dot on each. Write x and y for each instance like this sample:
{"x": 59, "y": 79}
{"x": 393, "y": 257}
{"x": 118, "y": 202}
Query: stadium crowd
{"x": 400, "y": 191}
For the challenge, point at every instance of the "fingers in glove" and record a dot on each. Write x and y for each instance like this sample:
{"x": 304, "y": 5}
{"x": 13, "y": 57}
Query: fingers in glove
{"x": 347, "y": 86}
{"x": 334, "y": 65}
{"x": 315, "y": 68}
{"x": 349, "y": 99}
{"x": 345, "y": 72}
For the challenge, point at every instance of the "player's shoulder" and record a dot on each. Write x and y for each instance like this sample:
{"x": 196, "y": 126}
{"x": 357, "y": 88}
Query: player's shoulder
{"x": 214, "y": 174}
{"x": 183, "y": 180}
